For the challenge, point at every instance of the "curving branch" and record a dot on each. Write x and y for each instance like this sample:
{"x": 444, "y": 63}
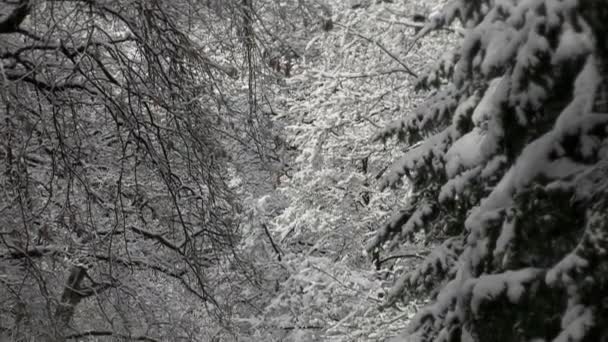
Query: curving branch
{"x": 42, "y": 251}
{"x": 49, "y": 87}
{"x": 91, "y": 333}
{"x": 32, "y": 252}
{"x": 274, "y": 245}
{"x": 401, "y": 256}
{"x": 406, "y": 68}
{"x": 158, "y": 237}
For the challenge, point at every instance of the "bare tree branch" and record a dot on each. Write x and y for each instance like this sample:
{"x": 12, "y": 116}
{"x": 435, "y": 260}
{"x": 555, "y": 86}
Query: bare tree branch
{"x": 91, "y": 333}
{"x": 400, "y": 256}
{"x": 157, "y": 237}
{"x": 383, "y": 48}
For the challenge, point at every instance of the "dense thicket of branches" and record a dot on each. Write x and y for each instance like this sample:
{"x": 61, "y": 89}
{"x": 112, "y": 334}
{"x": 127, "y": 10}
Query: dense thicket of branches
{"x": 509, "y": 175}
{"x": 129, "y": 128}
{"x": 112, "y": 175}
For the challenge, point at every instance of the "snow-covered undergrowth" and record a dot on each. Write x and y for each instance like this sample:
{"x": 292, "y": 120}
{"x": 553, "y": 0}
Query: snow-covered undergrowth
{"x": 309, "y": 235}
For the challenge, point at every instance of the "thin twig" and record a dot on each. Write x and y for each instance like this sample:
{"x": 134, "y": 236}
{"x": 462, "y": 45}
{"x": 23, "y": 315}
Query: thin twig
{"x": 274, "y": 245}
{"x": 378, "y": 44}
{"x": 342, "y": 284}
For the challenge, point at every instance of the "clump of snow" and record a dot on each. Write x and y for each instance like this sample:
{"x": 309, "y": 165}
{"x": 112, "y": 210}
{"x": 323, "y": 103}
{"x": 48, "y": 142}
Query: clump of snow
{"x": 457, "y": 185}
{"x": 561, "y": 272}
{"x": 575, "y": 324}
{"x": 464, "y": 153}
{"x": 486, "y": 108}
{"x": 572, "y": 44}
{"x": 578, "y": 115}
{"x": 534, "y": 159}
{"x": 480, "y": 144}
{"x": 501, "y": 46}
{"x": 416, "y": 156}
{"x": 442, "y": 260}
{"x": 490, "y": 287}
{"x": 507, "y": 234}
{"x": 465, "y": 109}
{"x": 417, "y": 219}
{"x": 493, "y": 166}
{"x": 445, "y": 301}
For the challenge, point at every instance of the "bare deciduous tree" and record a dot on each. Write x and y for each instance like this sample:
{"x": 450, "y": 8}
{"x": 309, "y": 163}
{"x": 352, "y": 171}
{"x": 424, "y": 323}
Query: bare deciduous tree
{"x": 112, "y": 168}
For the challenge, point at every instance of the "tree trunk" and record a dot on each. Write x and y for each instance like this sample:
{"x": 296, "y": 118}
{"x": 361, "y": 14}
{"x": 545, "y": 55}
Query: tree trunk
{"x": 70, "y": 297}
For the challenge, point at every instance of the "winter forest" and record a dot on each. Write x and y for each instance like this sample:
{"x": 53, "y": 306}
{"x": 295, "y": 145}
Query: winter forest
{"x": 304, "y": 170}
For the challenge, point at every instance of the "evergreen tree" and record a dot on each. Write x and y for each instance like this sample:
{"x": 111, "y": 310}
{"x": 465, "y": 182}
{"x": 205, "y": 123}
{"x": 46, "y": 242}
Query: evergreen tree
{"x": 508, "y": 161}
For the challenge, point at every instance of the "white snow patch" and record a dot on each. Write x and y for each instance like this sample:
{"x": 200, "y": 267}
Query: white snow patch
{"x": 417, "y": 155}
{"x": 490, "y": 287}
{"x": 560, "y": 272}
{"x": 575, "y": 324}
{"x": 459, "y": 184}
{"x": 486, "y": 108}
{"x": 493, "y": 166}
{"x": 465, "y": 153}
{"x": 572, "y": 44}
{"x": 507, "y": 234}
